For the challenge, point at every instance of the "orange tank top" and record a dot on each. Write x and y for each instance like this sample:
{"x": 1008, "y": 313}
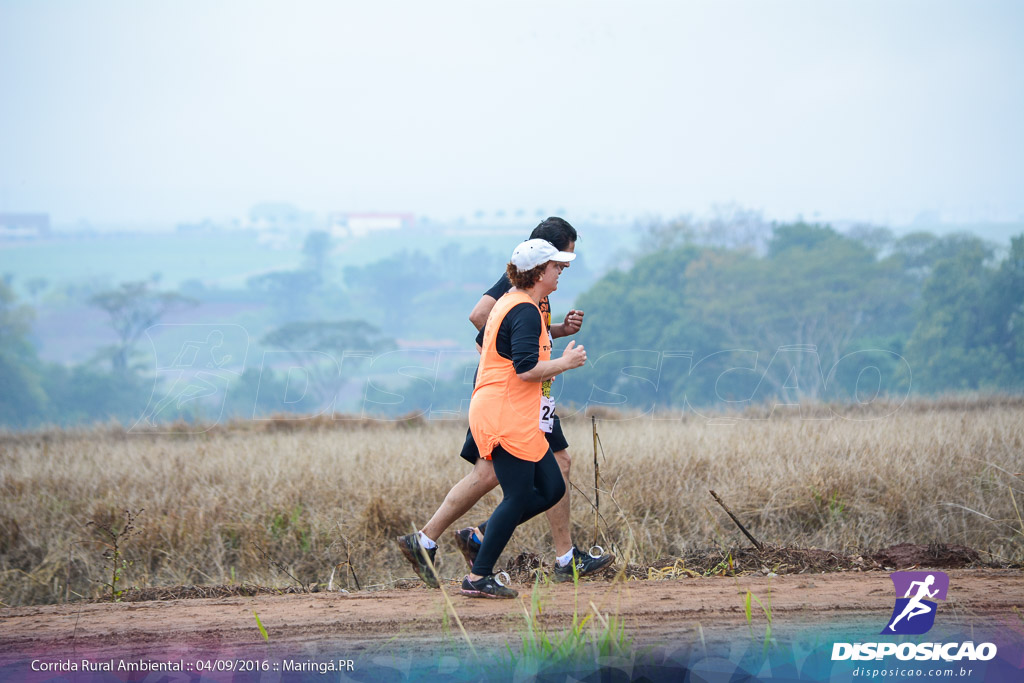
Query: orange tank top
{"x": 505, "y": 409}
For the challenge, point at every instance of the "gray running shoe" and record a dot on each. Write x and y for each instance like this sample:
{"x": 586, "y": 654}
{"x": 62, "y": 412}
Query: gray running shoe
{"x": 585, "y": 564}
{"x": 417, "y": 556}
{"x": 487, "y": 587}
{"x": 466, "y": 545}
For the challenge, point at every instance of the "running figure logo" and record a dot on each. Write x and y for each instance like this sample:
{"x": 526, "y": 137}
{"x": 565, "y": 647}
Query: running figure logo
{"x": 914, "y": 613}
{"x": 195, "y": 366}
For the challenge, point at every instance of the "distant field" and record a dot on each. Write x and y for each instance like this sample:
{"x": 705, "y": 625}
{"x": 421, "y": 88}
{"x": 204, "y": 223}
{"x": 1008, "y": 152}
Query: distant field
{"x": 66, "y": 329}
{"x": 225, "y": 260}
{"x": 222, "y": 259}
{"x": 90, "y": 329}
{"x": 313, "y": 495}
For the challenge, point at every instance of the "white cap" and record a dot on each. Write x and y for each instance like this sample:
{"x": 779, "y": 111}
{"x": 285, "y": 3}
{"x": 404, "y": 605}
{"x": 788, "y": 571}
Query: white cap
{"x": 533, "y": 253}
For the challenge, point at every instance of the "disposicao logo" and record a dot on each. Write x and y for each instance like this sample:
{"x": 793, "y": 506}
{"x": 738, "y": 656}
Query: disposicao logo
{"x": 914, "y": 613}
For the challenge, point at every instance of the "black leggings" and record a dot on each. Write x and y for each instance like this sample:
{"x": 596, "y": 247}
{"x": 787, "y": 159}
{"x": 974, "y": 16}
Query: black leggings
{"x": 529, "y": 488}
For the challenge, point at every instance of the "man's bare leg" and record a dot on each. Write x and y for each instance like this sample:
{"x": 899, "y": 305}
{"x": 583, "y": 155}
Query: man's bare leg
{"x": 463, "y": 496}
{"x": 459, "y": 500}
{"x": 581, "y": 563}
{"x": 558, "y": 515}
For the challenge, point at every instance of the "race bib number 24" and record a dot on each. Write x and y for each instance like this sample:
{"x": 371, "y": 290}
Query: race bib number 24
{"x": 547, "y": 414}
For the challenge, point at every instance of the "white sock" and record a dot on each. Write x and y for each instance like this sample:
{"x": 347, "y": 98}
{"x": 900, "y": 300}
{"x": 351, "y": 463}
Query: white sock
{"x": 425, "y": 541}
{"x": 564, "y": 559}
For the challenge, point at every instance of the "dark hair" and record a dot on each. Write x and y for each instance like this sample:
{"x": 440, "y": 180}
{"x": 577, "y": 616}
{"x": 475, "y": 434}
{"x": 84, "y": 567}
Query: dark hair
{"x": 525, "y": 279}
{"x": 555, "y": 230}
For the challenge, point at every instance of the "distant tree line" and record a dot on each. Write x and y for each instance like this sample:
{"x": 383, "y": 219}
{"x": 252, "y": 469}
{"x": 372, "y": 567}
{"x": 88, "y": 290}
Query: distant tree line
{"x": 36, "y": 392}
{"x": 113, "y": 384}
{"x": 808, "y": 315}
{"x": 725, "y": 314}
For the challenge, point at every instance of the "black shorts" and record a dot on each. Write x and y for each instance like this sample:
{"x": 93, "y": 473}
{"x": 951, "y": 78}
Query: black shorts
{"x": 556, "y": 439}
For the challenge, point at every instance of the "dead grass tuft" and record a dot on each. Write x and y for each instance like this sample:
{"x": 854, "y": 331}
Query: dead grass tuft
{"x": 384, "y": 519}
{"x": 933, "y": 555}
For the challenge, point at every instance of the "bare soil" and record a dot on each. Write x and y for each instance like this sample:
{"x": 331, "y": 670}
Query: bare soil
{"x": 656, "y": 613}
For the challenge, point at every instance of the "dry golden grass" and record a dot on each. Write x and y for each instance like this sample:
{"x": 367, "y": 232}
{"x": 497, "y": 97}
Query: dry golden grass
{"x": 948, "y": 471}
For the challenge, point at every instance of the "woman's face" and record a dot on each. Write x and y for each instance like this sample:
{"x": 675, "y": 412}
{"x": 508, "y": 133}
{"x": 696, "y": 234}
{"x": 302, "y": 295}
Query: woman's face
{"x": 549, "y": 277}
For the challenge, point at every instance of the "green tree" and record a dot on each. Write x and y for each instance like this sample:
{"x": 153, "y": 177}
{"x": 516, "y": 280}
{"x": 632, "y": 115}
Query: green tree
{"x": 1003, "y": 308}
{"x": 315, "y": 251}
{"x": 806, "y": 236}
{"x": 632, "y": 318}
{"x": 949, "y": 347}
{"x": 133, "y": 308}
{"x": 287, "y": 291}
{"x": 393, "y": 283}
{"x": 756, "y": 326}
{"x": 36, "y": 285}
{"x": 22, "y": 399}
{"x": 321, "y": 346}
{"x": 84, "y": 395}
{"x": 802, "y": 307}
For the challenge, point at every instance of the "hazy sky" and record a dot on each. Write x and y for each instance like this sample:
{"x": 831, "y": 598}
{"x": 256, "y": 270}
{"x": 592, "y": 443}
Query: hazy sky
{"x": 159, "y": 112}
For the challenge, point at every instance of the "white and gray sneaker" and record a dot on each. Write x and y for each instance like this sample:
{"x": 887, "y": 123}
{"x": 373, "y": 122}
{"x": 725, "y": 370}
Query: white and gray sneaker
{"x": 584, "y": 563}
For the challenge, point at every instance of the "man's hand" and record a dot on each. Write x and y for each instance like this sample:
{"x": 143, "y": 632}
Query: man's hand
{"x": 573, "y": 322}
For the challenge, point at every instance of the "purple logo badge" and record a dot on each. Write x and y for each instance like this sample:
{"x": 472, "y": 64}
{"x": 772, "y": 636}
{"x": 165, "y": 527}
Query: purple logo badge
{"x": 914, "y": 612}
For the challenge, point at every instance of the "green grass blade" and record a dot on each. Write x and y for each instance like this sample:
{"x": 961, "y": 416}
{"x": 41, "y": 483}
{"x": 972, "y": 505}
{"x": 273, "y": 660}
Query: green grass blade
{"x": 263, "y": 631}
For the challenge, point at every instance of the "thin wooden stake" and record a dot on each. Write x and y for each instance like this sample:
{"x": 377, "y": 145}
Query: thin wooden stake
{"x": 597, "y": 482}
{"x": 757, "y": 544}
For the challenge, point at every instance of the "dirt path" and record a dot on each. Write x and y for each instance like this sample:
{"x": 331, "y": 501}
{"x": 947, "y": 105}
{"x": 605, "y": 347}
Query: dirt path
{"x": 655, "y": 613}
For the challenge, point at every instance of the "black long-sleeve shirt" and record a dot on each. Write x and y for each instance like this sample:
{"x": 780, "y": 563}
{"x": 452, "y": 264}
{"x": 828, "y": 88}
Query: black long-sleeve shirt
{"x": 517, "y": 337}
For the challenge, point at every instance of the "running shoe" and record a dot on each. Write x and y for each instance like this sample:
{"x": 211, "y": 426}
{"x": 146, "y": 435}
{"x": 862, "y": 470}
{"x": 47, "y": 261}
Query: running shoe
{"x": 487, "y": 587}
{"x": 418, "y": 558}
{"x": 585, "y": 564}
{"x": 466, "y": 545}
